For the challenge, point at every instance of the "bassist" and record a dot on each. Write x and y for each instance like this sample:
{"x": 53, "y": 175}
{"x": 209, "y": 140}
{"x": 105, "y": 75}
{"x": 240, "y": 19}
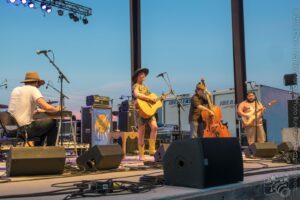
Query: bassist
{"x": 198, "y": 101}
{"x": 246, "y": 109}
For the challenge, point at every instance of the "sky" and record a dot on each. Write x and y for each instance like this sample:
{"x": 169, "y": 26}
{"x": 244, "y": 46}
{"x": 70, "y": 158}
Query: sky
{"x": 188, "y": 39}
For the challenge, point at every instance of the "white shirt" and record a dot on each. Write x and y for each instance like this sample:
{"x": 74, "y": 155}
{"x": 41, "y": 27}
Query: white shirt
{"x": 23, "y": 103}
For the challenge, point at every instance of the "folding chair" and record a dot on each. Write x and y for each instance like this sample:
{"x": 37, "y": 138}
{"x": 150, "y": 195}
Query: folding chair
{"x": 12, "y": 131}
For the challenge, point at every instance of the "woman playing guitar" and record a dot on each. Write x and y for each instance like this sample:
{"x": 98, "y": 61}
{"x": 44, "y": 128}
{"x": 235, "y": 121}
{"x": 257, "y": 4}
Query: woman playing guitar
{"x": 142, "y": 93}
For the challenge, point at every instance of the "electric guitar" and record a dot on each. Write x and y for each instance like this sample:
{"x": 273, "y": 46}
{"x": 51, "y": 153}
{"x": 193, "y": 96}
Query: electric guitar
{"x": 147, "y": 109}
{"x": 251, "y": 115}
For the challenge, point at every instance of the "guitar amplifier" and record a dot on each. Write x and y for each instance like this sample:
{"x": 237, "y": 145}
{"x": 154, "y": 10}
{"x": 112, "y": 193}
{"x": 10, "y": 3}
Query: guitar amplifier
{"x": 97, "y": 101}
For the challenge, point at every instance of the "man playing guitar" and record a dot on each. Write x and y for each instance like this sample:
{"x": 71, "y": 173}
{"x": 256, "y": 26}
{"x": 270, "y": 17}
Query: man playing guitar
{"x": 246, "y": 109}
{"x": 142, "y": 92}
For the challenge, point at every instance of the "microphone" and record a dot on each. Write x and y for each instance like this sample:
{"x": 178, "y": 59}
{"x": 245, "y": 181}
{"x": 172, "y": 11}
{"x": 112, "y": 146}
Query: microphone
{"x": 42, "y": 51}
{"x": 47, "y": 85}
{"x": 5, "y": 83}
{"x": 161, "y": 74}
{"x": 246, "y": 82}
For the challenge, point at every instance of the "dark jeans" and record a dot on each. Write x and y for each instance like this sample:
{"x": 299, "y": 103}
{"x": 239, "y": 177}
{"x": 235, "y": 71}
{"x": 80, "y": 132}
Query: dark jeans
{"x": 43, "y": 129}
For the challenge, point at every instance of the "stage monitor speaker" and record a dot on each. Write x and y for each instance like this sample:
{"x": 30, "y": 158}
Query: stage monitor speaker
{"x": 160, "y": 153}
{"x": 127, "y": 120}
{"x": 27, "y": 161}
{"x": 285, "y": 147}
{"x": 265, "y": 150}
{"x": 201, "y": 163}
{"x": 294, "y": 113}
{"x": 101, "y": 157}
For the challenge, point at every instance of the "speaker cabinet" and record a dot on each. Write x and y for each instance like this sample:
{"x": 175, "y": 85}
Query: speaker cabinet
{"x": 264, "y": 150}
{"x": 101, "y": 157}
{"x": 127, "y": 120}
{"x": 290, "y": 79}
{"x": 96, "y": 124}
{"x": 294, "y": 113}
{"x": 201, "y": 163}
{"x": 25, "y": 161}
{"x": 160, "y": 153}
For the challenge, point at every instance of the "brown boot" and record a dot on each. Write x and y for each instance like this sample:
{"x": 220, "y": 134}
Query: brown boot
{"x": 152, "y": 147}
{"x": 141, "y": 152}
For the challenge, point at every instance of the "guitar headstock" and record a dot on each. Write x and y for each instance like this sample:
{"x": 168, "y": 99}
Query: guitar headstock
{"x": 271, "y": 103}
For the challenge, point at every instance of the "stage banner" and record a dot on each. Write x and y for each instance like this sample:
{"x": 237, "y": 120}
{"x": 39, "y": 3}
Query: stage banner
{"x": 101, "y": 125}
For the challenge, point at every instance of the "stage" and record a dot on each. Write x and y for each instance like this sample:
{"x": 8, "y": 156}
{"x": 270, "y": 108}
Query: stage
{"x": 261, "y": 177}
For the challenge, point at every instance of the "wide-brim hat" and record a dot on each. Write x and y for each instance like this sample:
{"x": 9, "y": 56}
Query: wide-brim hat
{"x": 138, "y": 71}
{"x": 33, "y": 77}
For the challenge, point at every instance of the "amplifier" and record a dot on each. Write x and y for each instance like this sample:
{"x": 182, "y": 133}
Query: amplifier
{"x": 126, "y": 106}
{"x": 97, "y": 101}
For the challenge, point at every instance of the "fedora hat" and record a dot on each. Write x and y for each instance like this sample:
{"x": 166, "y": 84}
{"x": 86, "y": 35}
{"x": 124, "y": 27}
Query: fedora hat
{"x": 33, "y": 77}
{"x": 138, "y": 71}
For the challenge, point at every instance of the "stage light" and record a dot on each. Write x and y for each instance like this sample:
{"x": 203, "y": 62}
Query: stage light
{"x": 60, "y": 12}
{"x": 48, "y": 9}
{"x": 23, "y": 1}
{"x": 85, "y": 21}
{"x": 71, "y": 15}
{"x": 75, "y": 18}
{"x": 30, "y": 4}
{"x": 43, "y": 6}
{"x": 12, "y": 1}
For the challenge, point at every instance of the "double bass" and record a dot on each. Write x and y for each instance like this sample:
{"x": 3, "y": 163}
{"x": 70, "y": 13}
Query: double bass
{"x": 214, "y": 126}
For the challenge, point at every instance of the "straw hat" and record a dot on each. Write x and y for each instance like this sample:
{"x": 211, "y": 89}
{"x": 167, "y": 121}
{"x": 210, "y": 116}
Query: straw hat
{"x": 138, "y": 71}
{"x": 33, "y": 77}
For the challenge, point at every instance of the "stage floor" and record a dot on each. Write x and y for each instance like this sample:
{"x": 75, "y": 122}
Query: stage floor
{"x": 257, "y": 175}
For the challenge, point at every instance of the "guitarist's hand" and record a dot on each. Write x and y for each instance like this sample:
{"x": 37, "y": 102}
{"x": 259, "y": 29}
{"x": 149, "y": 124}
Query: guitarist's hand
{"x": 152, "y": 100}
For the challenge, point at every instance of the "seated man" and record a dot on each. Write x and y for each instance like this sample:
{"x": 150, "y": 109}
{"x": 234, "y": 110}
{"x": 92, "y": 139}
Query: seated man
{"x": 23, "y": 103}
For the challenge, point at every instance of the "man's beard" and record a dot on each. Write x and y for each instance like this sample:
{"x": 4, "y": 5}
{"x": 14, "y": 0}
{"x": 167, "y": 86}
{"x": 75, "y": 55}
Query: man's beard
{"x": 250, "y": 101}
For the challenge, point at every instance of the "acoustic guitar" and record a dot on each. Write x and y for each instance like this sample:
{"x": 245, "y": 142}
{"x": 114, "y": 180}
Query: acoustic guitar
{"x": 251, "y": 115}
{"x": 147, "y": 109}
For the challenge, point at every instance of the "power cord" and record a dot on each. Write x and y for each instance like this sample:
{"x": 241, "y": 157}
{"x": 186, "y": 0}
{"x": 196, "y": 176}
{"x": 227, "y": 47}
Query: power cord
{"x": 101, "y": 188}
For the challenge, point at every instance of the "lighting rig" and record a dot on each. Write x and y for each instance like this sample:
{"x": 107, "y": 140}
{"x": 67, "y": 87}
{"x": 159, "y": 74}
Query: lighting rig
{"x": 75, "y": 11}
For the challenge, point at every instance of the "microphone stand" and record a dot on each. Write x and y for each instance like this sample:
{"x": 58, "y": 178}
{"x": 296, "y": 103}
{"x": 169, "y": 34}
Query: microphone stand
{"x": 179, "y": 105}
{"x": 255, "y": 114}
{"x": 49, "y": 85}
{"x": 61, "y": 77}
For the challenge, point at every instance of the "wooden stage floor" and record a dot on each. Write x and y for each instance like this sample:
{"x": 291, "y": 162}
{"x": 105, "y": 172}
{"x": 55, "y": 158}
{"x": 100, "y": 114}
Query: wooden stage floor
{"x": 260, "y": 176}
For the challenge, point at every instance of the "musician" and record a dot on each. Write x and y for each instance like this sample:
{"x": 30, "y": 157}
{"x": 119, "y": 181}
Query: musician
{"x": 23, "y": 103}
{"x": 247, "y": 108}
{"x": 141, "y": 91}
{"x": 198, "y": 102}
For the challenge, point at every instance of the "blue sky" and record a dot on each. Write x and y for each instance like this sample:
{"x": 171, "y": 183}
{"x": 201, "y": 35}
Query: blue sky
{"x": 189, "y": 39}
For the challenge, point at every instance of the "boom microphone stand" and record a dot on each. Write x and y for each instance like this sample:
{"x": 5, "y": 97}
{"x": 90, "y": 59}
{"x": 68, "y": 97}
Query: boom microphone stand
{"x": 50, "y": 85}
{"x": 61, "y": 77}
{"x": 179, "y": 105}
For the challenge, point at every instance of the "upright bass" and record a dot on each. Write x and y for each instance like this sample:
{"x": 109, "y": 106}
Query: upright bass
{"x": 214, "y": 126}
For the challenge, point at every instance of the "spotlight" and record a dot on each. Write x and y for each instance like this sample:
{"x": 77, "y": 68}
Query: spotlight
{"x": 85, "y": 21}
{"x": 48, "y": 9}
{"x": 60, "y": 12}
{"x": 30, "y": 4}
{"x": 23, "y": 1}
{"x": 75, "y": 18}
{"x": 12, "y": 1}
{"x": 71, "y": 15}
{"x": 43, "y": 6}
